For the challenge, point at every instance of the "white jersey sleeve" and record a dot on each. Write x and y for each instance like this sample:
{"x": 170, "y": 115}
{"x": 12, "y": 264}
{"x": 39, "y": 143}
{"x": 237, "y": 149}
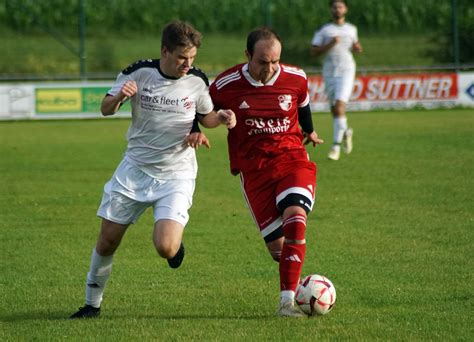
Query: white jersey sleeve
{"x": 317, "y": 38}
{"x": 119, "y": 82}
{"x": 204, "y": 104}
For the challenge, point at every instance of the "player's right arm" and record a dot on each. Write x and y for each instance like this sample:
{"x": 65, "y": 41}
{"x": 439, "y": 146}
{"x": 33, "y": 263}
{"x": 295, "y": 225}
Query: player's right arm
{"x": 317, "y": 50}
{"x": 111, "y": 103}
{"x": 356, "y": 47}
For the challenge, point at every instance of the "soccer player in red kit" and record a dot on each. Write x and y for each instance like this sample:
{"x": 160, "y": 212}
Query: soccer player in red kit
{"x": 266, "y": 149}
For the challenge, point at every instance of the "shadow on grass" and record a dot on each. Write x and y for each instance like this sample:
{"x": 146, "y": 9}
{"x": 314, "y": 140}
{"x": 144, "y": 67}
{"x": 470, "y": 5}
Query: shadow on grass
{"x": 58, "y": 316}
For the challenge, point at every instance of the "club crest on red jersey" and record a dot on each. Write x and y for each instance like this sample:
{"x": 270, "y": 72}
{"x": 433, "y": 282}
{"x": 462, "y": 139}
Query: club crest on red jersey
{"x": 285, "y": 102}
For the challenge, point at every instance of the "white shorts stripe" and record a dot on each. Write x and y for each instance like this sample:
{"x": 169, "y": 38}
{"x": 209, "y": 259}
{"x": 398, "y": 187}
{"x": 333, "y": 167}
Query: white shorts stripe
{"x": 296, "y": 190}
{"x": 247, "y": 200}
{"x": 270, "y": 228}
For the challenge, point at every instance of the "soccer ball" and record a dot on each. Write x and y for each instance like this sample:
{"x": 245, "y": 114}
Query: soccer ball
{"x": 316, "y": 295}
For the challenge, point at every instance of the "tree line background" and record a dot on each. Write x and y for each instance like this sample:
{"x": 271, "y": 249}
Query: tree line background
{"x": 295, "y": 20}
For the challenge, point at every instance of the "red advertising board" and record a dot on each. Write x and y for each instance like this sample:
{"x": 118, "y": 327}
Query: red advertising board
{"x": 408, "y": 88}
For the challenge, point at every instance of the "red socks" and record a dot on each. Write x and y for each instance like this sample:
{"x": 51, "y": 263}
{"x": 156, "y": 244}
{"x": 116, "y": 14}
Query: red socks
{"x": 293, "y": 252}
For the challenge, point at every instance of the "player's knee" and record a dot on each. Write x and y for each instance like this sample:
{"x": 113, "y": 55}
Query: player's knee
{"x": 165, "y": 250}
{"x": 107, "y": 246}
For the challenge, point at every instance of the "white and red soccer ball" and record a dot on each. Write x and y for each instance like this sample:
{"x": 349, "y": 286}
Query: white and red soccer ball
{"x": 316, "y": 295}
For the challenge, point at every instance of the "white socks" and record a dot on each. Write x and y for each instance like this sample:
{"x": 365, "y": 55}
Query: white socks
{"x": 99, "y": 273}
{"x": 339, "y": 126}
{"x": 287, "y": 295}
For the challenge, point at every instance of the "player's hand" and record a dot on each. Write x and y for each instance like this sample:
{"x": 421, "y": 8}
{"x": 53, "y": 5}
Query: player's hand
{"x": 197, "y": 139}
{"x": 129, "y": 89}
{"x": 356, "y": 47}
{"x": 312, "y": 138}
{"x": 336, "y": 40}
{"x": 227, "y": 117}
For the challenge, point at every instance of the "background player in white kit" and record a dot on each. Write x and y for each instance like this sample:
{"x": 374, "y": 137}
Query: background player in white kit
{"x": 337, "y": 40}
{"x": 159, "y": 167}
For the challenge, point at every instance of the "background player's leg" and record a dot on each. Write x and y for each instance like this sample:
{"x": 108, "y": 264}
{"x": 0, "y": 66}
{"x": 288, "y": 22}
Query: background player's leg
{"x": 339, "y": 128}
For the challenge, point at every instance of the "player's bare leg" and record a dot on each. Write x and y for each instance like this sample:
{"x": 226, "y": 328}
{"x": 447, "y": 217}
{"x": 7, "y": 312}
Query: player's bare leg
{"x": 109, "y": 239}
{"x": 342, "y": 134}
{"x": 167, "y": 238}
{"x": 292, "y": 258}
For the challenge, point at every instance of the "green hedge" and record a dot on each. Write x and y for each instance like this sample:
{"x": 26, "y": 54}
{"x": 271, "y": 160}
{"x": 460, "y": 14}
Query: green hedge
{"x": 291, "y": 17}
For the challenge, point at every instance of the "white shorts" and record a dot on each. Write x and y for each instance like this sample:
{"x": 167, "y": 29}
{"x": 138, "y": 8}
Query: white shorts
{"x": 130, "y": 192}
{"x": 339, "y": 87}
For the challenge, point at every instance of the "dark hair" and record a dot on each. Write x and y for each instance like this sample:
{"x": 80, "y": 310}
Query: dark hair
{"x": 262, "y": 33}
{"x": 178, "y": 33}
{"x": 333, "y": 1}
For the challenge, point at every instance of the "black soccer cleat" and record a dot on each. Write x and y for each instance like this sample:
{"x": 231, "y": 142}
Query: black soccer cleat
{"x": 176, "y": 261}
{"x": 86, "y": 311}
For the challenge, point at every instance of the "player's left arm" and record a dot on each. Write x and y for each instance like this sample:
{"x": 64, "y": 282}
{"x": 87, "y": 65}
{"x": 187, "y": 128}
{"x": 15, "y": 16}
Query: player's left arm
{"x": 306, "y": 122}
{"x": 212, "y": 119}
{"x": 196, "y": 138}
{"x": 220, "y": 117}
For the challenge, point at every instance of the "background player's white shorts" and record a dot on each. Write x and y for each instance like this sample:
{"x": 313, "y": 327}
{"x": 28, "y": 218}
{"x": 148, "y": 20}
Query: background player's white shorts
{"x": 130, "y": 192}
{"x": 339, "y": 87}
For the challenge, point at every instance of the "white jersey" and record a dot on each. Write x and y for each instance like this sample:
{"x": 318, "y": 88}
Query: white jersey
{"x": 338, "y": 59}
{"x": 163, "y": 110}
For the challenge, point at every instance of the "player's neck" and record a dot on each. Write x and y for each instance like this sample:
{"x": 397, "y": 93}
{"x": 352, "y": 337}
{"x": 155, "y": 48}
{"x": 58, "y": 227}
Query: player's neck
{"x": 339, "y": 21}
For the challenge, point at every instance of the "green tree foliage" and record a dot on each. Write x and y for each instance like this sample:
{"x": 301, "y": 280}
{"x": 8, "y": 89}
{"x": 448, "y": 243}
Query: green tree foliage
{"x": 444, "y": 51}
{"x": 293, "y": 17}
{"x": 295, "y": 20}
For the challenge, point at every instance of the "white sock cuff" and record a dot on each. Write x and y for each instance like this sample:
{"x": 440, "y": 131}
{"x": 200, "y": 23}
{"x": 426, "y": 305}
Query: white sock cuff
{"x": 287, "y": 295}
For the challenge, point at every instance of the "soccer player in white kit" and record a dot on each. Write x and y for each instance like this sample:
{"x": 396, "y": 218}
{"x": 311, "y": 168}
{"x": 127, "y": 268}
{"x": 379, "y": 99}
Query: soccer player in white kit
{"x": 159, "y": 167}
{"x": 337, "y": 40}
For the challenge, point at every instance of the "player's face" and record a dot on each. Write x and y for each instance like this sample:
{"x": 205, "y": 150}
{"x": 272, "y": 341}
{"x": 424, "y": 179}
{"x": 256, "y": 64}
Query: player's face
{"x": 338, "y": 10}
{"x": 178, "y": 62}
{"x": 265, "y": 60}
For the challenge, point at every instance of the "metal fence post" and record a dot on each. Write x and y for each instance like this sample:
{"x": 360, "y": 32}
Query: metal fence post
{"x": 454, "y": 22}
{"x": 82, "y": 29}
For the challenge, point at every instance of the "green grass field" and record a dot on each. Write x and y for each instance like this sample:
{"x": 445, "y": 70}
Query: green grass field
{"x": 41, "y": 55}
{"x": 392, "y": 228}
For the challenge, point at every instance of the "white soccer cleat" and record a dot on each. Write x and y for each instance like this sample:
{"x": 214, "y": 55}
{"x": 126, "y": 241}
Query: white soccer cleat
{"x": 288, "y": 308}
{"x": 334, "y": 153}
{"x": 347, "y": 141}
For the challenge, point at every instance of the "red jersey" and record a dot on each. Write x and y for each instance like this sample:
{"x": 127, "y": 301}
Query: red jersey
{"x": 267, "y": 115}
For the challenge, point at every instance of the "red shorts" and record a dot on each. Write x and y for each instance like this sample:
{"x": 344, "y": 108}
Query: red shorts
{"x": 265, "y": 189}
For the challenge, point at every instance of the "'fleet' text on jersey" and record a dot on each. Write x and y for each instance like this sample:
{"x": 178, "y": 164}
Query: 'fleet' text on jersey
{"x": 163, "y": 112}
{"x": 267, "y": 114}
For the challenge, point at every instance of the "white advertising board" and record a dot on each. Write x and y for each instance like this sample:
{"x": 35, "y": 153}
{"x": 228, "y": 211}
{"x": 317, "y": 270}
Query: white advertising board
{"x": 388, "y": 91}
